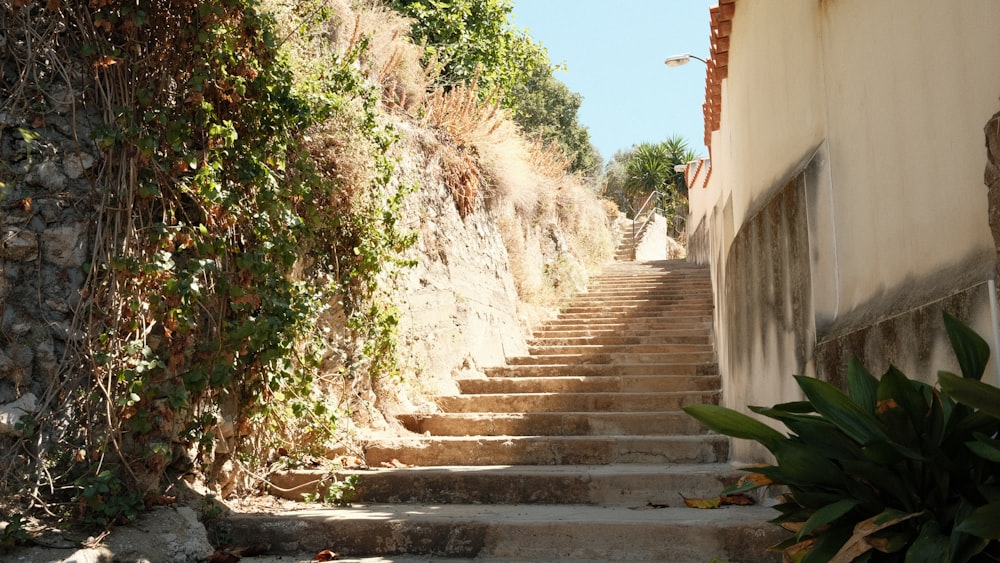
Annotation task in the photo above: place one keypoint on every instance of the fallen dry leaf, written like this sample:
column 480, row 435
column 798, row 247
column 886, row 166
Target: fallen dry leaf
column 739, row 499
column 351, row 462
column 223, row 557
column 326, row 555
column 755, row 478
column 714, row 502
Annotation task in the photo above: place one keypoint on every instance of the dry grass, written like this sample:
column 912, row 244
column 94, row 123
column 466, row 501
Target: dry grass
column 464, row 113
column 378, row 36
column 555, row 228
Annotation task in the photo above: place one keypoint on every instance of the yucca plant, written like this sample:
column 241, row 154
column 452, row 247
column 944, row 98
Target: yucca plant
column 892, row 470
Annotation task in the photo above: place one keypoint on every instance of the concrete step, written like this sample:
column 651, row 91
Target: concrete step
column 610, row 485
column 594, row 384
column 638, row 325
column 547, row 450
column 668, row 336
column 637, row 315
column 633, row 347
column 552, row 424
column 618, row 357
column 563, row 359
column 523, row 533
column 550, row 370
column 577, row 402
column 628, row 305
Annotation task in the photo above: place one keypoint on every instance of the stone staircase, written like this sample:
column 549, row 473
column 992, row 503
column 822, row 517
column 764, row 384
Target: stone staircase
column 576, row 452
column 626, row 247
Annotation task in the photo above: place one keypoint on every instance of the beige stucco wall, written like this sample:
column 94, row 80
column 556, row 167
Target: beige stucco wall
column 874, row 113
column 910, row 85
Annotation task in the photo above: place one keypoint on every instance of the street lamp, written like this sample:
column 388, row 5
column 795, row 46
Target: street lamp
column 680, row 60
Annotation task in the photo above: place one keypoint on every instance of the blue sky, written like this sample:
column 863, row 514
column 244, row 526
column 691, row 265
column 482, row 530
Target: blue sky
column 614, row 51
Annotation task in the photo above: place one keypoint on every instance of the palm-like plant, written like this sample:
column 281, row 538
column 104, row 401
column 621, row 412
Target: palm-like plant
column 893, row 470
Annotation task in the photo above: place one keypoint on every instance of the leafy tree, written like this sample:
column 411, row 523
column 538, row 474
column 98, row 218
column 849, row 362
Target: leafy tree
column 474, row 38
column 633, row 174
column 545, row 106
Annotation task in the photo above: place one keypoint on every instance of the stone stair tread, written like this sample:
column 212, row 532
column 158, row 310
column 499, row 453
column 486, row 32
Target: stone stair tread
column 656, row 401
column 590, row 384
column 519, row 532
column 549, row 450
column 612, row 485
column 567, row 423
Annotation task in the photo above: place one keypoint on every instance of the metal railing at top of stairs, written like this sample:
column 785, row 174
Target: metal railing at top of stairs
column 649, row 217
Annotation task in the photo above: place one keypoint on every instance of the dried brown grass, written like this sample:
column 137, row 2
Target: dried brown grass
column 379, row 36
column 464, row 113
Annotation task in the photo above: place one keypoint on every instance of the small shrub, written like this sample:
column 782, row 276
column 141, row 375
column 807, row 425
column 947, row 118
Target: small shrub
column 892, row 470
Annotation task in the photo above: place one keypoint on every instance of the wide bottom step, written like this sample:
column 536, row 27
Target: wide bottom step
column 518, row 532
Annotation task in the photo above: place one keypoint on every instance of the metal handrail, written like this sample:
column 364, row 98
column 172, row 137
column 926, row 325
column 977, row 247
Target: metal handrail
column 642, row 208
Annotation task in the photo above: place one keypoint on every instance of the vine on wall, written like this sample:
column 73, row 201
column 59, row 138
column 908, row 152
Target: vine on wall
column 222, row 238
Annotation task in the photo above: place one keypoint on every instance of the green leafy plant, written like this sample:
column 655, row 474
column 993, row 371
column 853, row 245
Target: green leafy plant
column 105, row 498
column 891, row 470
column 334, row 492
column 13, row 534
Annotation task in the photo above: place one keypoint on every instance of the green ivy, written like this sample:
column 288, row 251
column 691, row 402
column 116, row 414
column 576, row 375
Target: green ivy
column 235, row 239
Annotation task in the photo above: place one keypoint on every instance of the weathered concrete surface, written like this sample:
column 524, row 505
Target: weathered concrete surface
column 162, row 535
column 519, row 532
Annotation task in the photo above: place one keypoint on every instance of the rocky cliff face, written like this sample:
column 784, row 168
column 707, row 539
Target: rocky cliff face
column 47, row 217
column 459, row 303
column 470, row 300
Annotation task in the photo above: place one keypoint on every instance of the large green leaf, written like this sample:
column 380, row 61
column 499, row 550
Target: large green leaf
column 827, row 514
column 735, row 424
column 805, row 465
column 885, row 480
column 970, row 392
column 828, row 544
column 985, row 447
column 861, row 385
column 930, row 546
column 900, row 407
column 821, row 434
column 839, row 409
column 984, row 522
column 971, row 350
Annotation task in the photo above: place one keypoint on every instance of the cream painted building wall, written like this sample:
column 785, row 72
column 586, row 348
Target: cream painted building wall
column 846, row 204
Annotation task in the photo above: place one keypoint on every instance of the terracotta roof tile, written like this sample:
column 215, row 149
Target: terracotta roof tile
column 717, row 69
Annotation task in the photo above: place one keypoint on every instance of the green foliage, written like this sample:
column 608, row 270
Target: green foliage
column 545, row 107
column 647, row 168
column 105, row 498
column 223, row 239
column 892, row 470
column 474, row 39
column 334, row 492
column 13, row 534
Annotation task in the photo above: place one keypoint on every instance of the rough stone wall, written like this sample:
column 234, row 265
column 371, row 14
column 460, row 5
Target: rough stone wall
column 47, row 214
column 458, row 305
